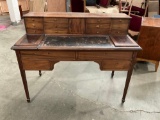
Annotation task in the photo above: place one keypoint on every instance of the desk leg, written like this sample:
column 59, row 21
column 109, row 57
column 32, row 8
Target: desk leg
column 129, row 74
column 112, row 74
column 40, row 73
column 23, row 75
column 126, row 85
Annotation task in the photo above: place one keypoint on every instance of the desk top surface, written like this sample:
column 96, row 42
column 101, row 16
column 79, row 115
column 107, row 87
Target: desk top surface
column 76, row 14
column 150, row 21
column 71, row 42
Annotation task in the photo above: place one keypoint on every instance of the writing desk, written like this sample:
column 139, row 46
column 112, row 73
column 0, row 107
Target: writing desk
column 76, row 40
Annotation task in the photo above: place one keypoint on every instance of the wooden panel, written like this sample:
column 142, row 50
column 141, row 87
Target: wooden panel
column 149, row 40
column 56, row 5
column 38, row 5
column 98, row 20
column 24, row 5
column 36, row 65
column 56, row 31
column 116, row 65
column 76, row 26
column 4, row 7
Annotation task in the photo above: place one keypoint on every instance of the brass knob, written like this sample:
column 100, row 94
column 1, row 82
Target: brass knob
column 97, row 26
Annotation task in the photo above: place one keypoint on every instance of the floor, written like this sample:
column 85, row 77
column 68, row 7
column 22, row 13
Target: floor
column 74, row 90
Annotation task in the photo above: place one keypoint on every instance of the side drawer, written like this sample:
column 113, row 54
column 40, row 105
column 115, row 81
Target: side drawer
column 97, row 31
column 120, row 26
column 98, row 26
column 36, row 65
column 116, row 65
column 98, row 20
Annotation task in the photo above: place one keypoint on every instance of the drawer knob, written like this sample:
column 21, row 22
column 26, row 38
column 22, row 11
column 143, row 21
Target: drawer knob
column 33, row 25
column 98, row 20
column 34, row 31
column 56, row 32
column 32, row 19
column 55, row 19
column 97, row 26
column 97, row 32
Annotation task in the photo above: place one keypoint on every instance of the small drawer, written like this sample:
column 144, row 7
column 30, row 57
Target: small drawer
column 34, row 31
column 53, row 25
column 56, row 31
column 120, row 21
column 120, row 26
column 116, row 65
column 36, row 65
column 33, row 20
column 56, row 20
column 34, row 25
column 107, row 26
column 91, row 55
column 118, row 32
column 98, row 31
column 97, row 20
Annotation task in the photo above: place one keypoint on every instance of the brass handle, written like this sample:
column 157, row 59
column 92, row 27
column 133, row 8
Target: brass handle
column 97, row 26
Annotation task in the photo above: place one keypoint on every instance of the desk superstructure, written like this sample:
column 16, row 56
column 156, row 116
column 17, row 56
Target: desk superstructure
column 54, row 37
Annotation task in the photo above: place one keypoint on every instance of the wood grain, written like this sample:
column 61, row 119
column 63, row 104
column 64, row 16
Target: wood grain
column 56, row 5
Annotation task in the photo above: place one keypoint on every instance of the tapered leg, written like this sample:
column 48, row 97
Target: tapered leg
column 23, row 75
column 127, row 84
column 112, row 74
column 40, row 73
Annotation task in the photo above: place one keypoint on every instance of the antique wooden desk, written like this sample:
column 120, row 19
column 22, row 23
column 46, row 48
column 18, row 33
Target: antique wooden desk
column 54, row 37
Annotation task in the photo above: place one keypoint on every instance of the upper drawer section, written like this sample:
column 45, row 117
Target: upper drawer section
column 120, row 21
column 57, row 20
column 97, row 20
column 33, row 20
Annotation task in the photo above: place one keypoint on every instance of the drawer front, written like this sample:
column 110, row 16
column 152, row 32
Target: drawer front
column 56, row 20
column 53, row 25
column 116, row 65
column 34, row 20
column 120, row 26
column 91, row 55
column 48, row 55
column 98, row 26
column 36, row 65
column 119, row 55
column 120, row 21
column 34, row 25
column 34, row 31
column 118, row 32
column 96, row 20
column 97, row 31
column 105, row 55
column 56, row 31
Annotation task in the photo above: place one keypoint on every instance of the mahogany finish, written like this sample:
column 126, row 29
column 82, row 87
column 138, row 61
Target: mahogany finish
column 54, row 37
column 149, row 40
